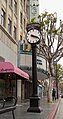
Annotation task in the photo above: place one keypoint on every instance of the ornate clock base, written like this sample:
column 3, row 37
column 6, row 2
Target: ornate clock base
column 34, row 105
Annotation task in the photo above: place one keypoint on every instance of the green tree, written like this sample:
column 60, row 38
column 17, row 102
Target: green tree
column 59, row 71
column 51, row 41
column 59, row 75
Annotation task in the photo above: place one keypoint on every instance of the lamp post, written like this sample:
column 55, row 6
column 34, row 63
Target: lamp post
column 33, row 37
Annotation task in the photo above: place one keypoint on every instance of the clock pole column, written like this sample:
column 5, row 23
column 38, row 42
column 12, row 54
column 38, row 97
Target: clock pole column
column 34, row 99
column 34, row 70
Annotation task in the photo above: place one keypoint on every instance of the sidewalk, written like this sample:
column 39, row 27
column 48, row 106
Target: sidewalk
column 21, row 111
column 59, row 114
column 54, row 109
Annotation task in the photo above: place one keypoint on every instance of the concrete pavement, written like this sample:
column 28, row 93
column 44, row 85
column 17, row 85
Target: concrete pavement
column 21, row 111
column 54, row 109
column 59, row 114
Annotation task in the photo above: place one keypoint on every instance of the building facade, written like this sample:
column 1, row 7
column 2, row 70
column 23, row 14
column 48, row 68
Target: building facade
column 13, row 20
column 14, row 49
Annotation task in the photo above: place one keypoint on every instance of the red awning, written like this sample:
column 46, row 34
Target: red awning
column 7, row 67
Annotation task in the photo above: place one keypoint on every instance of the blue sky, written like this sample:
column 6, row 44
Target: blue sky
column 52, row 6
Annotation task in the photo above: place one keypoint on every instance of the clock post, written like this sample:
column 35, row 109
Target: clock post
column 33, row 39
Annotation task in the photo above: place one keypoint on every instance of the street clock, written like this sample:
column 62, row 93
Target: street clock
column 33, row 36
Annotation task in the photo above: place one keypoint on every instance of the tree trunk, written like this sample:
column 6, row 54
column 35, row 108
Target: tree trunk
column 50, row 90
column 51, row 70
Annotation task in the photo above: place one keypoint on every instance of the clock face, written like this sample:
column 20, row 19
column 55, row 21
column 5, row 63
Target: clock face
column 34, row 10
column 33, row 36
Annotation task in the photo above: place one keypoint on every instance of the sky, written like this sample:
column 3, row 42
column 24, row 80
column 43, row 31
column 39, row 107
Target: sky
column 52, row 6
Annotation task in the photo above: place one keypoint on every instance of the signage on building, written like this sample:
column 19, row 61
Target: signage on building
column 39, row 61
column 5, row 70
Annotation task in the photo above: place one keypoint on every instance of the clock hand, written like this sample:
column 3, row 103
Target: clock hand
column 34, row 36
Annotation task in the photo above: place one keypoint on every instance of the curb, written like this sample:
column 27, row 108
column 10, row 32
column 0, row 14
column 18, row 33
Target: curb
column 53, row 110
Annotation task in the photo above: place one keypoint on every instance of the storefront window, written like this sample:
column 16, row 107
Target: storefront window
column 7, row 87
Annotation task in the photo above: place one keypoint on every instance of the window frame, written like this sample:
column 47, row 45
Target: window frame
column 21, row 17
column 11, row 2
column 14, row 33
column 3, row 14
column 9, row 25
column 15, row 6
